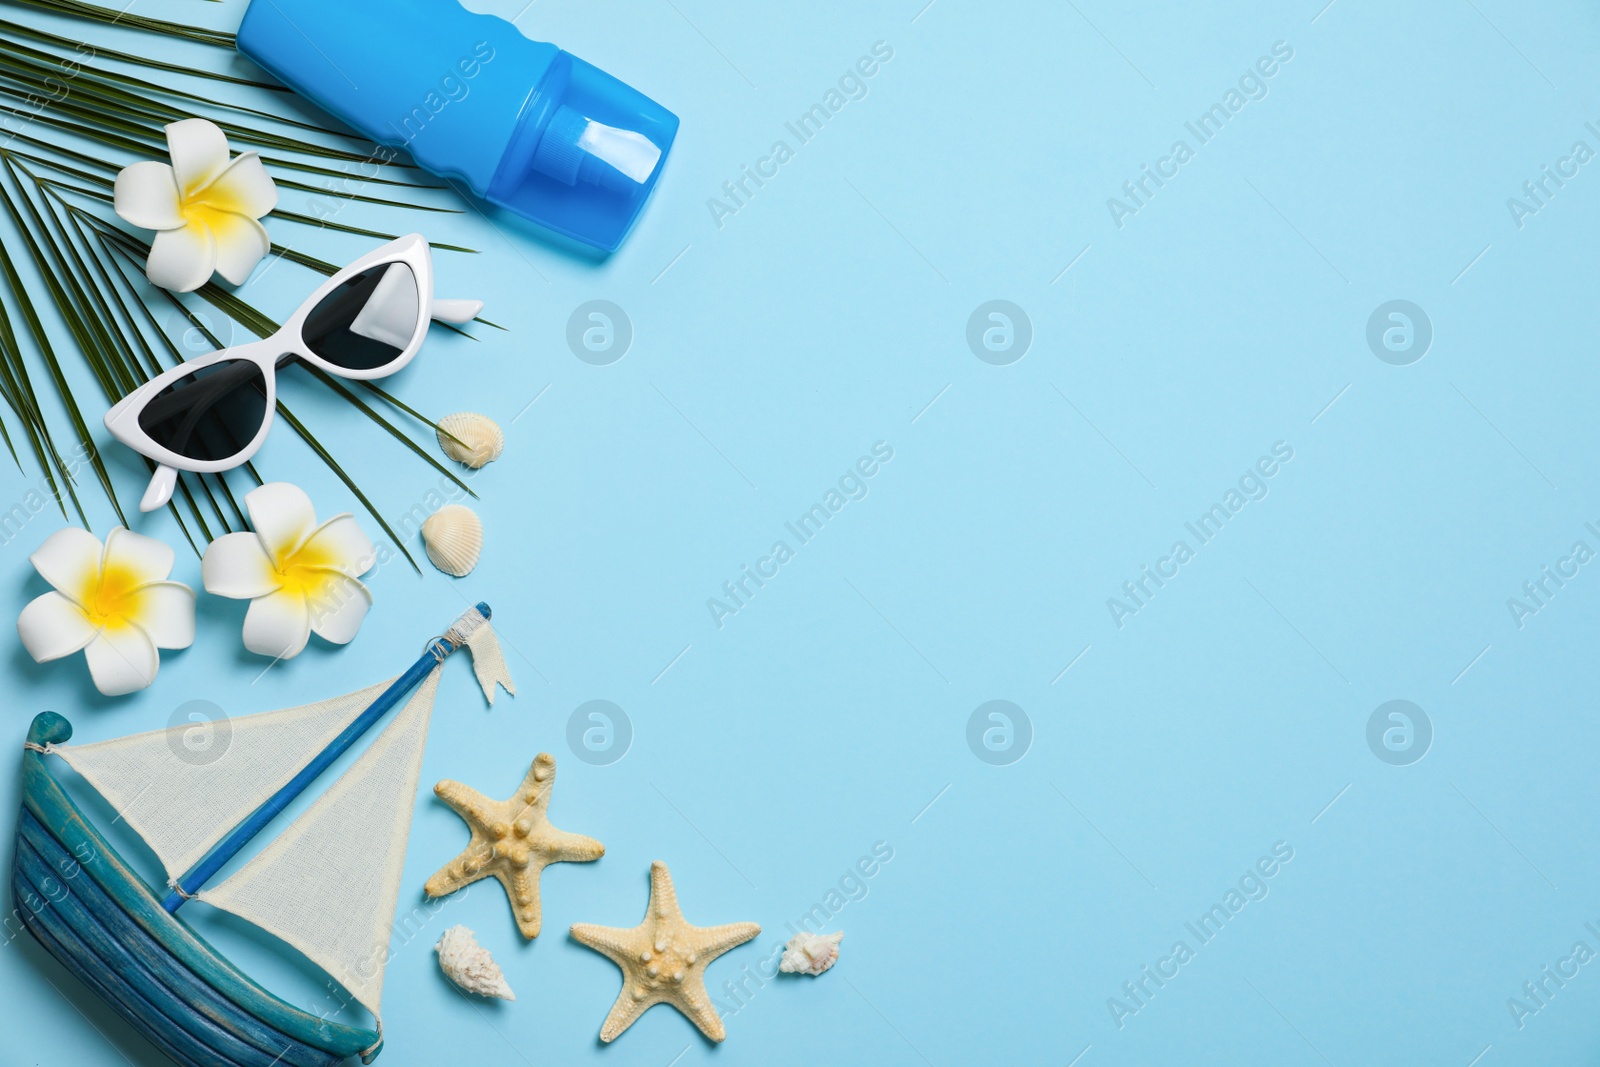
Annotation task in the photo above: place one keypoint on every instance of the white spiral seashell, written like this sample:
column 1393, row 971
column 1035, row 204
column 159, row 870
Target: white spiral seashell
column 471, row 438
column 469, row 965
column 806, row 953
column 453, row 536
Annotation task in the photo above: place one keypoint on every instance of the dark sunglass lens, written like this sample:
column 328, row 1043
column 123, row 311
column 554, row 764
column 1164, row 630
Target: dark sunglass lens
column 368, row 321
column 210, row 414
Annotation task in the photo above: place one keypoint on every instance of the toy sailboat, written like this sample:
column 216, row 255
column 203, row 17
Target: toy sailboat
column 328, row 885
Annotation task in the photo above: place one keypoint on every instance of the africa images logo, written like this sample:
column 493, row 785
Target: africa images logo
column 851, row 486
column 851, row 85
column 1252, row 486
column 1250, row 887
column 1138, row 191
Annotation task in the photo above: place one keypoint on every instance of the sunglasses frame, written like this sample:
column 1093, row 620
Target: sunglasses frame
column 123, row 418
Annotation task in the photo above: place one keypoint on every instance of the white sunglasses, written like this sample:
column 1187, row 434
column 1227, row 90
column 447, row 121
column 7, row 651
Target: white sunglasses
column 212, row 413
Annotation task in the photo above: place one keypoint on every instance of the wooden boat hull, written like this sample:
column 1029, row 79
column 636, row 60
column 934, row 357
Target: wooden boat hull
column 105, row 924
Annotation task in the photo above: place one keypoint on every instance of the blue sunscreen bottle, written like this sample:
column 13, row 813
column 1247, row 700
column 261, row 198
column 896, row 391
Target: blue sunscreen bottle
column 523, row 124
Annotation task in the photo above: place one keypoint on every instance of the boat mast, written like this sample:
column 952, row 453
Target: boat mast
column 228, row 847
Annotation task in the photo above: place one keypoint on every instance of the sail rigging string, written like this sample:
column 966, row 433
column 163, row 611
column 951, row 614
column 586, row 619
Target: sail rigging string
column 172, row 884
column 32, row 746
column 368, row 1052
column 462, row 629
column 472, row 631
column 458, row 636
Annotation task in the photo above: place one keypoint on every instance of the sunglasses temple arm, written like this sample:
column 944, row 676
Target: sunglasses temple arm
column 162, row 484
column 456, row 312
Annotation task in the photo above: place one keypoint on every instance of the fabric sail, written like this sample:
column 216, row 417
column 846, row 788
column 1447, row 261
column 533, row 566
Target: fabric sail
column 328, row 885
column 182, row 789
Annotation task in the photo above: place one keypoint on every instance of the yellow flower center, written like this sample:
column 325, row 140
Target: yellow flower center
column 306, row 570
column 208, row 214
column 112, row 598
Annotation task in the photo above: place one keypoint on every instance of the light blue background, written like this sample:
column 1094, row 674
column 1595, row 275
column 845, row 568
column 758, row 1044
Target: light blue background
column 830, row 713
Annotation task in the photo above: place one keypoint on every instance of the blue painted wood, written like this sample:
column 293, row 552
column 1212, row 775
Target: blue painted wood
column 148, row 970
column 148, row 955
column 116, row 986
column 242, row 834
column 93, row 981
column 54, row 815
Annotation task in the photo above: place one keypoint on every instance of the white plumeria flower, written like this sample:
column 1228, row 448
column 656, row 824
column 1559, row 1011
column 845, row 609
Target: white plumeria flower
column 204, row 208
column 113, row 603
column 300, row 578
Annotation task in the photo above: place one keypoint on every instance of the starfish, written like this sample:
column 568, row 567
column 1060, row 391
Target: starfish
column 511, row 840
column 663, row 959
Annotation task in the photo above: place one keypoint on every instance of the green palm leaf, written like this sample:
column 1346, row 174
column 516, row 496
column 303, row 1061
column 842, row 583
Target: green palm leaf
column 69, row 121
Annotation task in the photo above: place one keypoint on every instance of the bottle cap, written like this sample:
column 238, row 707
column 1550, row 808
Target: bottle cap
column 587, row 154
column 521, row 123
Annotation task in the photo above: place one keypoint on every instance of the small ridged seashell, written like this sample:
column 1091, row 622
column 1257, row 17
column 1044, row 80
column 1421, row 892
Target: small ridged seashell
column 807, row 953
column 453, row 536
column 469, row 965
column 471, row 439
